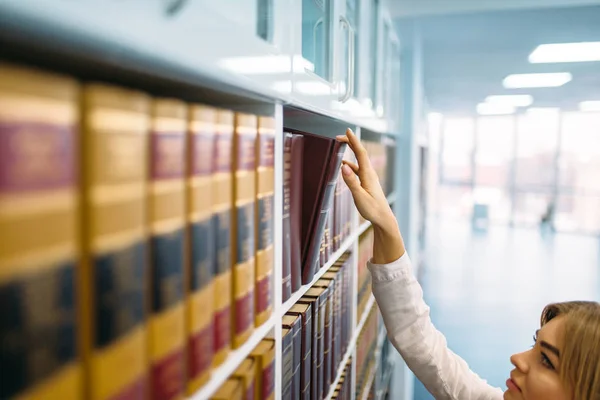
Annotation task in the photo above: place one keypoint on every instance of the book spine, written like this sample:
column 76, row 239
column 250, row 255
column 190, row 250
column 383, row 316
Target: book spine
column 201, row 246
column 115, row 266
column 39, row 214
column 320, row 355
column 265, row 189
column 222, row 196
column 314, row 344
column 338, row 323
column 327, row 299
column 167, row 224
column 287, row 379
column 297, row 343
column 346, row 298
column 244, row 202
column 296, row 211
column 266, row 373
column 286, row 272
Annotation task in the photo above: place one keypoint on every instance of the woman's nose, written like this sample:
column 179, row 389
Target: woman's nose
column 519, row 360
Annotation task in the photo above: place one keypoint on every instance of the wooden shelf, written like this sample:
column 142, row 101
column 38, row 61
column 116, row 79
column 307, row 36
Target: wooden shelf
column 351, row 345
column 236, row 357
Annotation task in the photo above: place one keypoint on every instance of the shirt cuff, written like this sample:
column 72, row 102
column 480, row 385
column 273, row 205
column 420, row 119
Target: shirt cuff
column 391, row 271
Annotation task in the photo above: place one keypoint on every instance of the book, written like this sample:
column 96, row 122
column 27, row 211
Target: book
column 332, row 280
column 232, row 389
column 296, row 211
column 222, row 198
column 287, row 376
column 242, row 234
column 115, row 267
column 318, row 184
column 246, row 372
column 265, row 189
column 167, row 219
column 294, row 323
column 39, row 219
column 286, row 263
column 264, row 357
column 305, row 312
column 328, row 343
column 318, row 298
column 199, row 309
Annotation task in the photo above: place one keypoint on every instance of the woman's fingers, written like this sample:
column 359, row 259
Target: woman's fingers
column 352, row 181
column 359, row 151
column 352, row 166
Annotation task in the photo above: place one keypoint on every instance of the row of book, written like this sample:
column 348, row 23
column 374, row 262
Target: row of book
column 366, row 354
column 365, row 252
column 316, row 332
column 254, row 378
column 137, row 243
column 317, row 206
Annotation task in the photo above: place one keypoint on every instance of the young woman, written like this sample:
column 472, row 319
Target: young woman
column 563, row 364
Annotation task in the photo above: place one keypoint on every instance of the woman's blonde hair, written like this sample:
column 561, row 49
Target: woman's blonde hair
column 580, row 358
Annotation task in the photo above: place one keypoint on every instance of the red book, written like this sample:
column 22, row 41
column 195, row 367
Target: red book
column 286, row 264
column 296, row 211
column 318, row 183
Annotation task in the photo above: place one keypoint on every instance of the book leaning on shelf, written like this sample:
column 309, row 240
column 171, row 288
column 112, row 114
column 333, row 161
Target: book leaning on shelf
column 39, row 218
column 321, row 161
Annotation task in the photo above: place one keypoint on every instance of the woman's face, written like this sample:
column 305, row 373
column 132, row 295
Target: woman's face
column 536, row 373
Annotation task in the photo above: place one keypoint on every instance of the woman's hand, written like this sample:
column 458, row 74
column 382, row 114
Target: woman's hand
column 371, row 202
column 364, row 184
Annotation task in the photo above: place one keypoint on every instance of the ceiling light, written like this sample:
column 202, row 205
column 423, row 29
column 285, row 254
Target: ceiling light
column 555, row 79
column 494, row 109
column 593, row 105
column 566, row 52
column 517, row 100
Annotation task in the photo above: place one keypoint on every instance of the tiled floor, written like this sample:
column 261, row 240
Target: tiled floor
column 486, row 290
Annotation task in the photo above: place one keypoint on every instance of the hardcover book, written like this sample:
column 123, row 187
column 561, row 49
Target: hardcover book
column 167, row 220
column 286, row 263
column 264, row 357
column 115, row 270
column 201, row 254
column 305, row 312
column 294, row 323
column 39, row 220
column 246, row 372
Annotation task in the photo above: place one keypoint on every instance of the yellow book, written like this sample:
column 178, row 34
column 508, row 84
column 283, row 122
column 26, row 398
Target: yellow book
column 242, row 234
column 246, row 372
column 222, row 195
column 265, row 188
column 39, row 216
column 166, row 217
column 232, row 389
column 115, row 269
column 264, row 357
column 201, row 257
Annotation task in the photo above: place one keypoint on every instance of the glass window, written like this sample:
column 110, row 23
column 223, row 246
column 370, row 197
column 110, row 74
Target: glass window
column 495, row 145
column 577, row 214
column 352, row 17
column 373, row 49
column 316, row 18
column 580, row 153
column 454, row 201
column 457, row 151
column 537, row 141
column 529, row 208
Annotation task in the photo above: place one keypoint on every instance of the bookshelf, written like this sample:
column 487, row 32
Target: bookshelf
column 97, row 55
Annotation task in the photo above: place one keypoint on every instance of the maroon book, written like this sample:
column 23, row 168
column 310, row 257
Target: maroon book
column 305, row 311
column 294, row 323
column 318, row 184
column 296, row 211
column 286, row 263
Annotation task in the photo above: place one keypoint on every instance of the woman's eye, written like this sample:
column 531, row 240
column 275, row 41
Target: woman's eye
column 546, row 362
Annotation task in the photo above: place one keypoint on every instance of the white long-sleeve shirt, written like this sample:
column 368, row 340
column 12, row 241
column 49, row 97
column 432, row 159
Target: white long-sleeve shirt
column 423, row 347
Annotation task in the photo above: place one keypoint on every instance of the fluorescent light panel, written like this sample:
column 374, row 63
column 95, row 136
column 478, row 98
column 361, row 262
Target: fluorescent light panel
column 555, row 79
column 494, row 109
column 566, row 52
column 591, row 105
column 516, row 100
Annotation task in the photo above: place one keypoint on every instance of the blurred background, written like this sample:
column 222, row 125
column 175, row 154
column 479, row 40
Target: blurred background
column 511, row 159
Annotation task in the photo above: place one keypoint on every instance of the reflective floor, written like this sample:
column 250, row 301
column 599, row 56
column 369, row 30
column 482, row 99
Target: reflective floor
column 486, row 290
